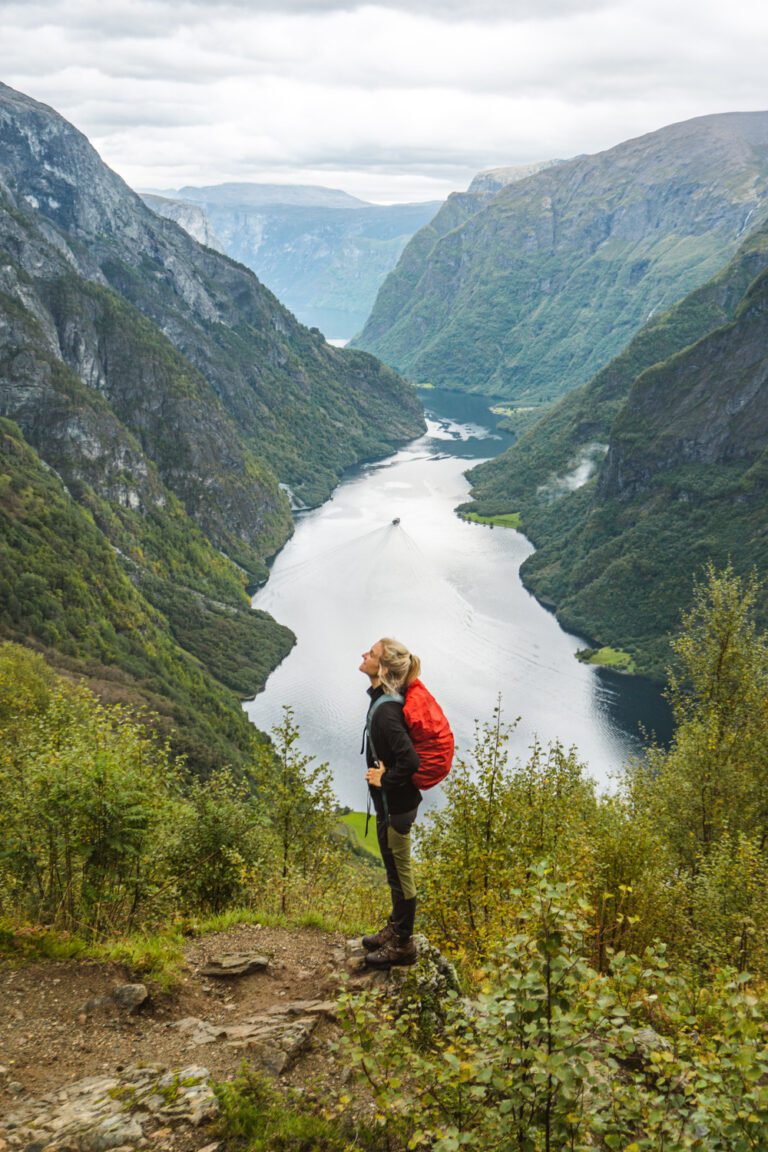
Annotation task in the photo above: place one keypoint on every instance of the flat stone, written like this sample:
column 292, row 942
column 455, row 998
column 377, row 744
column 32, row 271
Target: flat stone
column 200, row 1031
column 231, row 964
column 306, row 1008
column 114, row 1132
column 277, row 1046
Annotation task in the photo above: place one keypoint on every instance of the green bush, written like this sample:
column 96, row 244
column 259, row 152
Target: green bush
column 103, row 830
column 554, row 1055
column 475, row 851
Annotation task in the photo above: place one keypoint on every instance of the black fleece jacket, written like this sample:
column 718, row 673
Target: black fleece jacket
column 395, row 750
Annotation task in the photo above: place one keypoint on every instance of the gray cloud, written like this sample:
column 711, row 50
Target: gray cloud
column 388, row 103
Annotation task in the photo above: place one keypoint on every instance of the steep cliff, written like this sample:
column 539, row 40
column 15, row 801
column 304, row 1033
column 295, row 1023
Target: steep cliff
column 630, row 485
column 276, row 390
column 532, row 294
column 323, row 254
column 172, row 395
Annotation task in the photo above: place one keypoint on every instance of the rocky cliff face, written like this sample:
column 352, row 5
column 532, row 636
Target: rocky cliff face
column 707, row 408
column 206, row 374
column 489, row 183
column 171, row 397
column 534, row 293
column 190, row 217
column 322, row 253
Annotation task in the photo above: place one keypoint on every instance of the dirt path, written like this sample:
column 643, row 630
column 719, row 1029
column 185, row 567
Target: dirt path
column 49, row 1038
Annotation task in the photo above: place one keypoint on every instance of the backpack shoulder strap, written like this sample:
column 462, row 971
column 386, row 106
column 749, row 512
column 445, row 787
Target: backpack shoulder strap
column 387, row 697
column 394, row 697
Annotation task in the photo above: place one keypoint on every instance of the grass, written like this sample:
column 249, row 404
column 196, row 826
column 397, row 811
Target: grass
column 155, row 956
column 255, row 1115
column 503, row 520
column 608, row 658
column 355, row 822
column 158, row 957
column 510, row 410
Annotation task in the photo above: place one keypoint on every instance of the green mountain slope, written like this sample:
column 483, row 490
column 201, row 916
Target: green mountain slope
column 245, row 358
column 65, row 590
column 538, row 290
column 682, row 414
column 169, row 396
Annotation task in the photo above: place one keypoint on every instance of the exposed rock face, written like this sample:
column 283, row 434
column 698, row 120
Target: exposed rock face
column 490, row 182
column 275, row 1038
column 103, row 1112
column 215, row 383
column 708, row 407
column 324, row 254
column 536, row 290
column 190, row 217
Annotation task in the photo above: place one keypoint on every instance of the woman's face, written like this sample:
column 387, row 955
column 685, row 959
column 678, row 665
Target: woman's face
column 372, row 661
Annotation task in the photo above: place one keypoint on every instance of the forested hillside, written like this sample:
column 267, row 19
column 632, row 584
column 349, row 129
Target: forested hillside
column 169, row 396
column 632, row 483
column 539, row 288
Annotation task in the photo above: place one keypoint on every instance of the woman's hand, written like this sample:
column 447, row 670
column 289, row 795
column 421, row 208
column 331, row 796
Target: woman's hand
column 374, row 775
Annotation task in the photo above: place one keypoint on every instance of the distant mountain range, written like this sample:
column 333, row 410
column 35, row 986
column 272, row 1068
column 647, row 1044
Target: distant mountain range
column 528, row 292
column 322, row 252
column 154, row 397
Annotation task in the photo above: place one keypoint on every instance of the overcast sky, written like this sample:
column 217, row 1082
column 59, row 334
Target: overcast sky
column 392, row 101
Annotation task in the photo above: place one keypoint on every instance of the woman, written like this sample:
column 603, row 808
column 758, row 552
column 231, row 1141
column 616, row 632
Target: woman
column 392, row 761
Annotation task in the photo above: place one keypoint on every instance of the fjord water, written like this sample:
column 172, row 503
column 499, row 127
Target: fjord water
column 448, row 589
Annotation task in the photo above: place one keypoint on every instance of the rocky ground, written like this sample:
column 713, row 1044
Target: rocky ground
column 91, row 1061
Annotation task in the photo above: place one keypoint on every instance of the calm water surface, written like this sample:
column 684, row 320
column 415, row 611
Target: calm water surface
column 451, row 592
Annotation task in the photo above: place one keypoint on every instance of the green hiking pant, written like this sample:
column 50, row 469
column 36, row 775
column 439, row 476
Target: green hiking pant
column 394, row 837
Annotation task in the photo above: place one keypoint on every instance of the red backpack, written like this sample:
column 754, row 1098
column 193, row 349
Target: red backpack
column 429, row 730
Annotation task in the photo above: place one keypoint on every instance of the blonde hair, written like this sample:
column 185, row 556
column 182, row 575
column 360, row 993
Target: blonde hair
column 397, row 667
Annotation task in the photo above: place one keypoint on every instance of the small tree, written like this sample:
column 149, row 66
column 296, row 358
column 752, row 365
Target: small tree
column 299, row 799
column 554, row 1056
column 498, row 819
column 715, row 775
column 221, row 844
column 87, row 794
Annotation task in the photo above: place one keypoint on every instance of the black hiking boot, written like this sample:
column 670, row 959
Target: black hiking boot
column 393, row 952
column 371, row 943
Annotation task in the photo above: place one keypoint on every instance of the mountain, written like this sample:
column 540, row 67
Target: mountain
column 168, row 395
column 249, row 195
column 323, row 253
column 190, row 217
column 631, row 484
column 528, row 294
column 94, row 608
column 491, row 181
